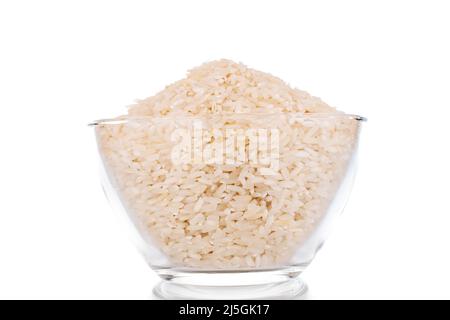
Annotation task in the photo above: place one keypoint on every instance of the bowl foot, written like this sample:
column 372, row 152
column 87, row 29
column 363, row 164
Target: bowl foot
column 234, row 286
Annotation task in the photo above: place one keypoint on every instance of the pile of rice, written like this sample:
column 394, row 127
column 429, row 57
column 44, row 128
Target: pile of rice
column 214, row 216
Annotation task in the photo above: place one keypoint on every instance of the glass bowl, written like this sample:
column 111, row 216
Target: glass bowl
column 229, row 205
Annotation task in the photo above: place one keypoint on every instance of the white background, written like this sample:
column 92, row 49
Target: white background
column 65, row 63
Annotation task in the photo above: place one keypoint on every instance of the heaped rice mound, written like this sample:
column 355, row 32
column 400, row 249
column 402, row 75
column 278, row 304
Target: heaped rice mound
column 225, row 86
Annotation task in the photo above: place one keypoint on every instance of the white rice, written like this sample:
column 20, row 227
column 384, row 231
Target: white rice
column 229, row 216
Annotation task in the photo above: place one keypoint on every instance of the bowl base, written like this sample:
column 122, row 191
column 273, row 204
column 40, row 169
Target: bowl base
column 276, row 284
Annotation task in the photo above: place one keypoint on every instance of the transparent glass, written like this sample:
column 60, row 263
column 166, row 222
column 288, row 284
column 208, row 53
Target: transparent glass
column 229, row 205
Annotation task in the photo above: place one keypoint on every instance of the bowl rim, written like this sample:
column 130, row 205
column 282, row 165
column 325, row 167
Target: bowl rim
column 171, row 117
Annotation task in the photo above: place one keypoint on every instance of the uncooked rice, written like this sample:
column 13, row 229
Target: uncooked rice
column 243, row 216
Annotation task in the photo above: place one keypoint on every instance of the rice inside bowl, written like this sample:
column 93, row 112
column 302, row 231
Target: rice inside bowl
column 241, row 215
